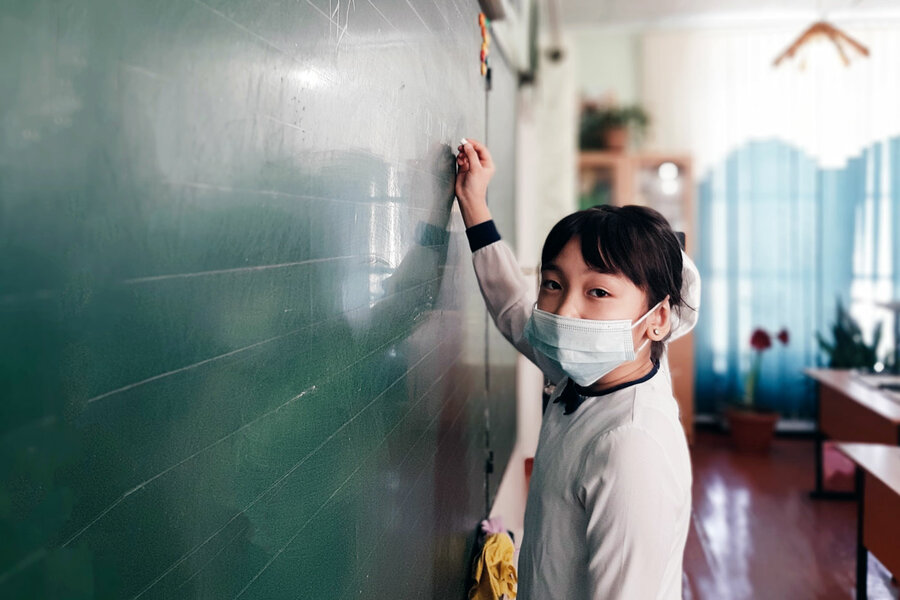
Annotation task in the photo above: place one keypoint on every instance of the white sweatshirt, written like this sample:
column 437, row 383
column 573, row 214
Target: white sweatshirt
column 609, row 505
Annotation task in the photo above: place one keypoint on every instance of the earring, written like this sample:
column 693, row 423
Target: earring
column 655, row 331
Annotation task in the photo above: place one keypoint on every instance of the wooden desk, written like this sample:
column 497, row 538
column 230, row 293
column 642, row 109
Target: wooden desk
column 878, row 521
column 850, row 411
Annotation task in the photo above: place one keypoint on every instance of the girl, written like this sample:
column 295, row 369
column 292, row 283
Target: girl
column 610, row 498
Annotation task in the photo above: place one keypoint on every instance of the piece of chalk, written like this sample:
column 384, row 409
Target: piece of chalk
column 464, row 141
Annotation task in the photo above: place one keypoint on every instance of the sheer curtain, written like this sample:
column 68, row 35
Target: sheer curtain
column 799, row 176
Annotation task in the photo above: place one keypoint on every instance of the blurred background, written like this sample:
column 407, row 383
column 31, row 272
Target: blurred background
column 242, row 350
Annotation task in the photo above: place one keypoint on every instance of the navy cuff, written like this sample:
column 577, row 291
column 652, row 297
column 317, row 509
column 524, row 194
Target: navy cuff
column 481, row 235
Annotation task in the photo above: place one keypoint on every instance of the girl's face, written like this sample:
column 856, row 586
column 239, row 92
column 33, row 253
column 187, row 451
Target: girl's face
column 572, row 288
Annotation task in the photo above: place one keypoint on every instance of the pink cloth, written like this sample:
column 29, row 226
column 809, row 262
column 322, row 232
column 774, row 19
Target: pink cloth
column 495, row 525
column 837, row 470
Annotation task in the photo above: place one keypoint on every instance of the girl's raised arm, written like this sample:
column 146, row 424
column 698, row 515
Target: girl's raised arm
column 508, row 294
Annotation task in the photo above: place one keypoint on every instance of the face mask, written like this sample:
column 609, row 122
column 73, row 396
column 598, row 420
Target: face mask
column 584, row 349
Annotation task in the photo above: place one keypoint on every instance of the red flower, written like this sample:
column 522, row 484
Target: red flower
column 760, row 340
column 784, row 337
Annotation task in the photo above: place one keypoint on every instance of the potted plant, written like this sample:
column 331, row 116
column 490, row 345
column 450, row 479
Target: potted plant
column 752, row 426
column 849, row 350
column 608, row 127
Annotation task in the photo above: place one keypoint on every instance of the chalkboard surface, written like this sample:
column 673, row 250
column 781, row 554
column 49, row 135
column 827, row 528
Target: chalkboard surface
column 237, row 352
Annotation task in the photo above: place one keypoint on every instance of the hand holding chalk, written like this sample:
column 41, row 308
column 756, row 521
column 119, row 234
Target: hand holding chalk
column 475, row 168
column 473, row 155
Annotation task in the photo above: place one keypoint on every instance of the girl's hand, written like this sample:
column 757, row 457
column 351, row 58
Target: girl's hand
column 474, row 171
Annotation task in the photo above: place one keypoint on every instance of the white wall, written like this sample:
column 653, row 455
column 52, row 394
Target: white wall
column 546, row 156
column 607, row 60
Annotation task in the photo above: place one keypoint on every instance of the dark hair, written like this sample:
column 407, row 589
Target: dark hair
column 634, row 241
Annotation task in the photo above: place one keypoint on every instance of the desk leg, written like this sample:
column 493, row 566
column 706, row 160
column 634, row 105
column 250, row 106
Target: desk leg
column 819, row 492
column 862, row 555
column 818, row 448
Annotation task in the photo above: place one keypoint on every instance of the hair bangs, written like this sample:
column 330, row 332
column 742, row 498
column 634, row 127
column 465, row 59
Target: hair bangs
column 604, row 246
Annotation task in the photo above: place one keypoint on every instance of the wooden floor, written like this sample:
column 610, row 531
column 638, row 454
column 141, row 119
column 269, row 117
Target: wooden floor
column 755, row 533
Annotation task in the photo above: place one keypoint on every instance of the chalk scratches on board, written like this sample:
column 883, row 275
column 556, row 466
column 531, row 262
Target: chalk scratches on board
column 144, row 71
column 275, row 486
column 337, row 30
column 158, row 475
column 383, row 16
column 243, row 28
column 344, row 483
column 226, row 545
column 430, row 31
column 23, row 564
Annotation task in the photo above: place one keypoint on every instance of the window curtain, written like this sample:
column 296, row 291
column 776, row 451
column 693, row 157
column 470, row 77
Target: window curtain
column 798, row 197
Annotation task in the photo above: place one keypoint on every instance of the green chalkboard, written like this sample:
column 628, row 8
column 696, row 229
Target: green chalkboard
column 242, row 352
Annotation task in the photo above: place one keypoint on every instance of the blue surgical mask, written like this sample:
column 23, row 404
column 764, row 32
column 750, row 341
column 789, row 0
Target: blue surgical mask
column 583, row 349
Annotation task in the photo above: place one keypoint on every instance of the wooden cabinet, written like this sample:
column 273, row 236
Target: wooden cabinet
column 664, row 182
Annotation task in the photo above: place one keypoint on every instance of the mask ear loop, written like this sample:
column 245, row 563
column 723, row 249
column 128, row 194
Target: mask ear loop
column 649, row 312
column 655, row 331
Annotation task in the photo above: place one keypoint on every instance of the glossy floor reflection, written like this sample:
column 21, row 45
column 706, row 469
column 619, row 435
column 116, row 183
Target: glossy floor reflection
column 755, row 533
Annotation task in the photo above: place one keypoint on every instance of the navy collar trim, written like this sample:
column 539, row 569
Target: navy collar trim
column 572, row 398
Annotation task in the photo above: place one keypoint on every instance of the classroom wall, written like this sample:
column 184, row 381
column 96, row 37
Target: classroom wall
column 236, row 352
column 501, row 127
column 608, row 61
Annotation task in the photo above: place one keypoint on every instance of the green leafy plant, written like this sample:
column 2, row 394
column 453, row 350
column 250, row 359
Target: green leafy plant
column 849, row 350
column 596, row 121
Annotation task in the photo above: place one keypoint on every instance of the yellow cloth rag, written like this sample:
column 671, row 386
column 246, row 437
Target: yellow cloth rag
column 495, row 574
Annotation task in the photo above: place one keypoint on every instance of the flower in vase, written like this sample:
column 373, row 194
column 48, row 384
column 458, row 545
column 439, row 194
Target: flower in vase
column 760, row 341
column 784, row 337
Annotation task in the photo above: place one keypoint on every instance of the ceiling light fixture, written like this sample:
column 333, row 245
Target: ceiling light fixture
column 846, row 45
